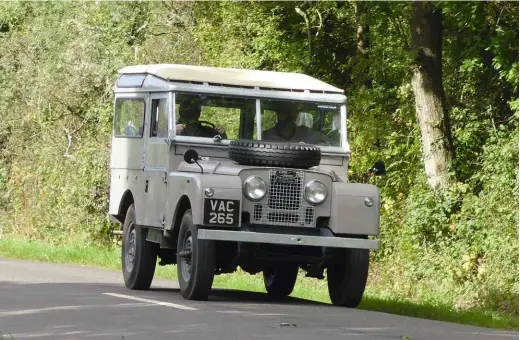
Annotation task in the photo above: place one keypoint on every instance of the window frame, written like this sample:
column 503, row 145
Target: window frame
column 166, row 107
column 343, row 120
column 137, row 98
column 343, row 149
column 203, row 140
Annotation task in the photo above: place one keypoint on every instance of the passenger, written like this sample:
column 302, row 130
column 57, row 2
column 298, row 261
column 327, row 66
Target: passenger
column 286, row 129
column 189, row 124
column 131, row 130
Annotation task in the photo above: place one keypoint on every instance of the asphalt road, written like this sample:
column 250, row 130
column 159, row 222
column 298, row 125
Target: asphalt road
column 48, row 301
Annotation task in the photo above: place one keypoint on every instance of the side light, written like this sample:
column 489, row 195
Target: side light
column 209, row 192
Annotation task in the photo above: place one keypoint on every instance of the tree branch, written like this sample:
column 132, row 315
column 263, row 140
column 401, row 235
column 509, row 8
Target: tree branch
column 69, row 138
column 321, row 23
column 304, row 15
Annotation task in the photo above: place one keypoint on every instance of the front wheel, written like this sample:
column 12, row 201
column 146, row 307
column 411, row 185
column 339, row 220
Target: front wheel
column 195, row 261
column 138, row 256
column 347, row 278
column 279, row 279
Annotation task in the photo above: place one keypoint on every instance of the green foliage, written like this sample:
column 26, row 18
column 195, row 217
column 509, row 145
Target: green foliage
column 59, row 60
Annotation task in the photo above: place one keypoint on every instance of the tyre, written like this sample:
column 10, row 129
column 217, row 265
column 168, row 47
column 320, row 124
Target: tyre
column 195, row 261
column 138, row 256
column 279, row 280
column 287, row 155
column 347, row 279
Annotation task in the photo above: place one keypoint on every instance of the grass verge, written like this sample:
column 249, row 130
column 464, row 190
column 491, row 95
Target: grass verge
column 375, row 298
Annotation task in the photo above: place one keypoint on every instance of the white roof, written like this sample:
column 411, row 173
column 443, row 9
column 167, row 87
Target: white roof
column 230, row 76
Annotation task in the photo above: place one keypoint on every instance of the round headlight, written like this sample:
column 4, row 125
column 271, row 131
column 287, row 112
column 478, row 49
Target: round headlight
column 315, row 192
column 255, row 188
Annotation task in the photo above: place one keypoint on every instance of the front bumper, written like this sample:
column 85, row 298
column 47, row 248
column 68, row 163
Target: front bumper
column 295, row 240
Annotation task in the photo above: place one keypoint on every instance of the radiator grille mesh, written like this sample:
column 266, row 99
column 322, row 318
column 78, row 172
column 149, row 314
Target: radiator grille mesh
column 285, row 204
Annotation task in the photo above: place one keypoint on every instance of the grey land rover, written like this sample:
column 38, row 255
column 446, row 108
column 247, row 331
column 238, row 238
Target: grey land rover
column 215, row 168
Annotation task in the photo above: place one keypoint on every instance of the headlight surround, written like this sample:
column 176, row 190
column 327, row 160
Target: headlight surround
column 315, row 192
column 255, row 188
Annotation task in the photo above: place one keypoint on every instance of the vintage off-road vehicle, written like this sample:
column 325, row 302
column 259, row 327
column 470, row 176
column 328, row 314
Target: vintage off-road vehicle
column 214, row 168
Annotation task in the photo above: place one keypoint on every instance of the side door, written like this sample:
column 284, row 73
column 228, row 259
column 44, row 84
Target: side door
column 157, row 158
column 128, row 148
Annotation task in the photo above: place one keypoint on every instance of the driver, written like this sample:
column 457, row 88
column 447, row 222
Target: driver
column 286, row 129
column 188, row 123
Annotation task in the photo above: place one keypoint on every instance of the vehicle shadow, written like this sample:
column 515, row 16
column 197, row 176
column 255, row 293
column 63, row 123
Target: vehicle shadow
column 242, row 296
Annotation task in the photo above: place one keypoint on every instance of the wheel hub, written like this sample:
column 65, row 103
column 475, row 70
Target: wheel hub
column 130, row 250
column 186, row 254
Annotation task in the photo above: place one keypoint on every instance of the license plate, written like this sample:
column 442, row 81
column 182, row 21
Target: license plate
column 221, row 212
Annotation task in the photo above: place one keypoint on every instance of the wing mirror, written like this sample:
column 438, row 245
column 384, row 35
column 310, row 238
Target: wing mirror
column 192, row 156
column 378, row 169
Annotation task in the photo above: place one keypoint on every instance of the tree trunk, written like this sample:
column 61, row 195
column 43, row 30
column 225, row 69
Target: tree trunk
column 363, row 42
column 427, row 87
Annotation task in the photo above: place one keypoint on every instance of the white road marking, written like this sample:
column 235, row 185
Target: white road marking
column 40, row 334
column 156, row 302
column 31, row 335
column 57, row 308
column 65, row 326
column 231, row 312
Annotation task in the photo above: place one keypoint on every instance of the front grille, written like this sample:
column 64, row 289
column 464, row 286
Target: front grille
column 263, row 214
column 285, row 189
column 309, row 215
column 283, row 217
column 285, row 204
column 257, row 213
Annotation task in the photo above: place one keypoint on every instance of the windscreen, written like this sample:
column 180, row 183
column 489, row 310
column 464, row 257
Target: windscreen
column 210, row 115
column 312, row 123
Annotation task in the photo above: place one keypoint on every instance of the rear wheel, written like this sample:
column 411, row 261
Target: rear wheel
column 138, row 256
column 347, row 279
column 279, row 279
column 195, row 261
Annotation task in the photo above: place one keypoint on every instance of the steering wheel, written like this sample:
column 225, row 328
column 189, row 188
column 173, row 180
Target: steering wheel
column 202, row 123
column 190, row 128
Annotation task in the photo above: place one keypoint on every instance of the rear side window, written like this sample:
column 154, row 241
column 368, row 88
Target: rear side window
column 131, row 80
column 129, row 117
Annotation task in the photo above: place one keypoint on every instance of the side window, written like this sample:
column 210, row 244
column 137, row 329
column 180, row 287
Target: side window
column 159, row 118
column 129, row 117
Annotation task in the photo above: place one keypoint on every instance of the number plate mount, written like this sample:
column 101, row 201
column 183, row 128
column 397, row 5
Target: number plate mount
column 221, row 212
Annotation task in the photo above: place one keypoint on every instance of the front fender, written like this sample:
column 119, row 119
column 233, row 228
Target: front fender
column 349, row 213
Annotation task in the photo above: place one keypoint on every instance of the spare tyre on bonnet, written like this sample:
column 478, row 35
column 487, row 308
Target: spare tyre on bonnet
column 278, row 154
column 214, row 169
